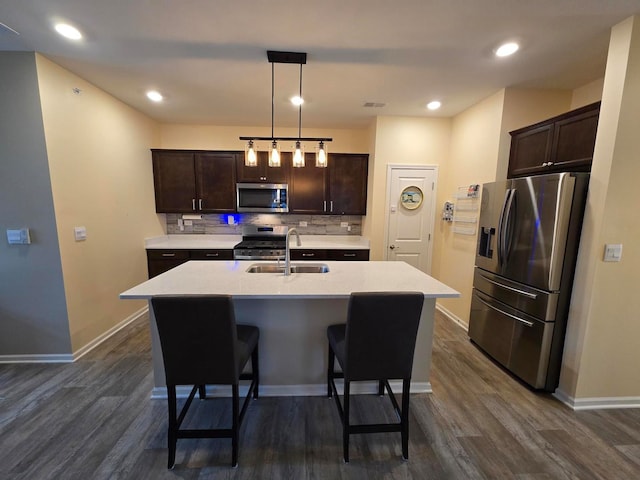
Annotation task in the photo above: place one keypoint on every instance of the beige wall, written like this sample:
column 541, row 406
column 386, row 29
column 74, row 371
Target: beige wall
column 474, row 146
column 587, row 94
column 405, row 141
column 601, row 353
column 101, row 179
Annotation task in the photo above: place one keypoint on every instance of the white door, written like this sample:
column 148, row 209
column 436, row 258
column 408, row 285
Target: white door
column 410, row 214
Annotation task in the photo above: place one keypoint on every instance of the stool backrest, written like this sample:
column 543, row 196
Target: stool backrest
column 198, row 337
column 381, row 334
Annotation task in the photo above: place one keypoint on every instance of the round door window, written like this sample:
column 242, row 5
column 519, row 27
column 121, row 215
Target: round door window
column 411, row 197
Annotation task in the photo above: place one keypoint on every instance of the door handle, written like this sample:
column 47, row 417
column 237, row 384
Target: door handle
column 193, row 203
column 392, row 247
column 199, row 204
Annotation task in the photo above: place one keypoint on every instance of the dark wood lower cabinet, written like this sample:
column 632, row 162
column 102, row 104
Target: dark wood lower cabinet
column 160, row 261
column 352, row 255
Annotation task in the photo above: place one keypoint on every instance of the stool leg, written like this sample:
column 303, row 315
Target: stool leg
column 234, row 428
column 172, row 434
column 255, row 368
column 202, row 391
column 405, row 418
column 381, row 387
column 345, row 423
column 330, row 367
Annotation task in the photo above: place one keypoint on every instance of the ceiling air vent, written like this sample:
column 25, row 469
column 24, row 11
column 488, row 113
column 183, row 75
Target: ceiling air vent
column 374, row 105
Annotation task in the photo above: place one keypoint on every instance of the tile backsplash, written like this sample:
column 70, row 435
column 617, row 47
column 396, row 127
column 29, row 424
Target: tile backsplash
column 219, row 224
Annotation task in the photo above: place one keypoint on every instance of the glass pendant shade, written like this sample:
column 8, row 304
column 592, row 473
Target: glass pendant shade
column 250, row 155
column 298, row 156
column 321, row 155
column 274, row 155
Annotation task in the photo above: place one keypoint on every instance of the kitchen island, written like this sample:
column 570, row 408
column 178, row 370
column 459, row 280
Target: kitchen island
column 293, row 312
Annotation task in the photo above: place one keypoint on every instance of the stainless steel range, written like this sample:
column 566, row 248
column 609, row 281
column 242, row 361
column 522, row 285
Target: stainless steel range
column 261, row 242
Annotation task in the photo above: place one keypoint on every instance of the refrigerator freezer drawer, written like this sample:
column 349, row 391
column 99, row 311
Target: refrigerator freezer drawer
column 532, row 301
column 519, row 342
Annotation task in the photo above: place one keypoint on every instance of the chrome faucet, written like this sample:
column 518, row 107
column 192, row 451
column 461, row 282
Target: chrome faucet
column 287, row 251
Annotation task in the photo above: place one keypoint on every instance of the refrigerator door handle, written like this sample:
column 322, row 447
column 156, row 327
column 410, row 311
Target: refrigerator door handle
column 565, row 193
column 521, row 320
column 507, row 227
column 506, row 287
column 501, row 222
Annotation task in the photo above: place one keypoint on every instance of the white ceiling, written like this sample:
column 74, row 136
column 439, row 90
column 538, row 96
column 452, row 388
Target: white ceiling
column 208, row 57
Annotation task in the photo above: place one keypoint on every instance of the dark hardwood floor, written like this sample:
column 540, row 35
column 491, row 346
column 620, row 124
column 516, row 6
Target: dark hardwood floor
column 94, row 420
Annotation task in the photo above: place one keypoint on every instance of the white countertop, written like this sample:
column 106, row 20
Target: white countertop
column 175, row 242
column 230, row 278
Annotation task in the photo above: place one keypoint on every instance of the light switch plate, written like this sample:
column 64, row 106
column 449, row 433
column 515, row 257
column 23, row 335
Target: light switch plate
column 612, row 252
column 19, row 237
column 80, row 233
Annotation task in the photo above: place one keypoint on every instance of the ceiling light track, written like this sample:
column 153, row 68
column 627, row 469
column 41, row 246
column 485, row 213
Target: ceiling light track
column 251, row 157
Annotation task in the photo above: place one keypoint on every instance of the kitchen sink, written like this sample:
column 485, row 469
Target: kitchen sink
column 295, row 268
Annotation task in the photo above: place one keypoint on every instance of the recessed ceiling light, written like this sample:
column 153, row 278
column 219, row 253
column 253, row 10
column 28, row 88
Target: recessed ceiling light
column 507, row 49
column 154, row 96
column 68, row 31
column 434, row 105
column 297, row 100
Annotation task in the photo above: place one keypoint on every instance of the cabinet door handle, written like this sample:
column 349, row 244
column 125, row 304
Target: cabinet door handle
column 168, row 254
column 331, row 203
column 308, row 254
column 348, row 254
column 199, row 204
column 212, row 255
column 324, row 208
column 193, row 203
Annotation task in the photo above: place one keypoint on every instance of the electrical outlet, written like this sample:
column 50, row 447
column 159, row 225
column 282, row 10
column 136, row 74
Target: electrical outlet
column 344, row 224
column 612, row 252
column 303, row 223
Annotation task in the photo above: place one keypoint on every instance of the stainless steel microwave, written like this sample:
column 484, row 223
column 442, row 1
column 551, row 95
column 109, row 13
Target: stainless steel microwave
column 262, row 197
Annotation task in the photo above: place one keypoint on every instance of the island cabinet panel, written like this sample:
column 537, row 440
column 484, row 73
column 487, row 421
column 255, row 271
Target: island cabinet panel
column 339, row 189
column 194, row 181
column 559, row 144
column 160, row 261
column 262, row 172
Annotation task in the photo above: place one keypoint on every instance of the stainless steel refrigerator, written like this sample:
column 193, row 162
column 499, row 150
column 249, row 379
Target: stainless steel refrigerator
column 529, row 230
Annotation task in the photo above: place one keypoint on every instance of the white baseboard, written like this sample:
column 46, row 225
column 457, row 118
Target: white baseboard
column 112, row 331
column 48, row 358
column 314, row 390
column 68, row 357
column 451, row 316
column 596, row 403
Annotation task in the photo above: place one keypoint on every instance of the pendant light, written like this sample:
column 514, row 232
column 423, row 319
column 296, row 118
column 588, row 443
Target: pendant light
column 250, row 155
column 321, row 155
column 251, row 159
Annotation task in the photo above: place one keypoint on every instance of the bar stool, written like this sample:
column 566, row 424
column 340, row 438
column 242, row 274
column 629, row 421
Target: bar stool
column 376, row 343
column 202, row 345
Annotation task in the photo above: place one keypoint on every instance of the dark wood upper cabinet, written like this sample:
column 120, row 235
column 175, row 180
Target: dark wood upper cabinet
column 562, row 143
column 194, row 181
column 216, row 181
column 347, row 183
column 307, row 188
column 262, row 173
column 174, row 179
column 339, row 189
column 205, row 181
